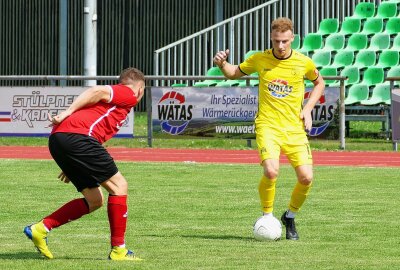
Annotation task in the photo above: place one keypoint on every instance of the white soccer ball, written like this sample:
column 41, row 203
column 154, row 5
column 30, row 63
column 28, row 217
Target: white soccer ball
column 267, row 228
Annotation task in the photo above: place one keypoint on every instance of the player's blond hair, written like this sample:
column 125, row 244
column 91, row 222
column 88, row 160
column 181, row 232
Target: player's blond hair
column 131, row 75
column 282, row 24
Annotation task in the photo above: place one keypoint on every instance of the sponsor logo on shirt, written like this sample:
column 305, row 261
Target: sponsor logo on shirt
column 279, row 88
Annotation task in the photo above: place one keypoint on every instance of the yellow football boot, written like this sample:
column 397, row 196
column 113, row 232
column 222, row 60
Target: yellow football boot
column 38, row 234
column 122, row 254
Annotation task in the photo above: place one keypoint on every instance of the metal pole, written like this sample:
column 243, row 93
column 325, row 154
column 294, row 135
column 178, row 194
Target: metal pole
column 90, row 40
column 394, row 142
column 342, row 116
column 63, row 45
column 149, row 118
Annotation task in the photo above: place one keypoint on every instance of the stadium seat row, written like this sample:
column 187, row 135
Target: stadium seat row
column 361, row 59
column 356, row 25
column 385, row 9
column 358, row 41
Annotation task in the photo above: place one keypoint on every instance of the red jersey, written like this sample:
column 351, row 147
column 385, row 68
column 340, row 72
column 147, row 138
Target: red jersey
column 103, row 119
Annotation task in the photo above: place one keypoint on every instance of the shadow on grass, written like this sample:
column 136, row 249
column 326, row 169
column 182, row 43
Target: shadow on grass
column 212, row 237
column 37, row 256
column 21, row 256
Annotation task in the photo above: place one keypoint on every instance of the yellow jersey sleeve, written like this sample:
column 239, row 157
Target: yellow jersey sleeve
column 249, row 66
column 311, row 70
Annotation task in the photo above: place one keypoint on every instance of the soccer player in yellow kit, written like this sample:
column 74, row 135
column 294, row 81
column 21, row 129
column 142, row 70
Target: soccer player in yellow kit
column 282, row 121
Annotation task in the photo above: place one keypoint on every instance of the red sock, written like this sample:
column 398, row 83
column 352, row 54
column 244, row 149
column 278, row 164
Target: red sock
column 66, row 213
column 117, row 216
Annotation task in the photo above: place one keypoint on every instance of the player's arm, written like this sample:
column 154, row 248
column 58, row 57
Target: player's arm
column 316, row 93
column 89, row 97
column 230, row 71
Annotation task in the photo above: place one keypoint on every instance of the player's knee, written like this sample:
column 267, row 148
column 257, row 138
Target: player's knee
column 120, row 188
column 271, row 173
column 116, row 185
column 95, row 204
column 306, row 179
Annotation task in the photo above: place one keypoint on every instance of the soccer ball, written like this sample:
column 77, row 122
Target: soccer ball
column 267, row 228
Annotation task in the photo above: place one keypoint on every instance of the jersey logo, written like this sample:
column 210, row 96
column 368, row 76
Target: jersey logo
column 123, row 123
column 279, row 88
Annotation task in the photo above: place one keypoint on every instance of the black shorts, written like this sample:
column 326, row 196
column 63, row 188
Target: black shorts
column 82, row 159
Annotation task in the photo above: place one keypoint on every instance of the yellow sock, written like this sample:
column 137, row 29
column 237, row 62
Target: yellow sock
column 266, row 190
column 299, row 195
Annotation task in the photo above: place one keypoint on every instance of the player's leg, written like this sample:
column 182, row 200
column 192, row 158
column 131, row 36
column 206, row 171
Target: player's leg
column 267, row 185
column 301, row 159
column 64, row 149
column 73, row 210
column 302, row 188
column 117, row 209
column 269, row 151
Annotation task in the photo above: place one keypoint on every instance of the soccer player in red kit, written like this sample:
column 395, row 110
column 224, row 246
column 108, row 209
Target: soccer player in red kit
column 75, row 144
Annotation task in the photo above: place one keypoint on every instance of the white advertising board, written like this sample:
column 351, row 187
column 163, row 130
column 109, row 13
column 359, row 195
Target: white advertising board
column 23, row 110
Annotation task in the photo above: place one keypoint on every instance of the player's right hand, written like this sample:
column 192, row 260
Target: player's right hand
column 57, row 119
column 220, row 57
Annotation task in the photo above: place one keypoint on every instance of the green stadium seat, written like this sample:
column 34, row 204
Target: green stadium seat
column 388, row 59
column 179, row 85
column 380, row 95
column 322, row 58
column 386, row 10
column 334, row 42
column 394, row 72
column 342, row 59
column 352, row 74
column 350, row 26
column 214, row 71
column 357, row 42
column 392, row 26
column 396, row 43
column 364, row 10
column 379, row 42
column 364, row 59
column 328, row 71
column 328, row 26
column 372, row 26
column 296, row 42
column 356, row 94
column 311, row 42
column 373, row 76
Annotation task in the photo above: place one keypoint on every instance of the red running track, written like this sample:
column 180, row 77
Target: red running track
column 340, row 158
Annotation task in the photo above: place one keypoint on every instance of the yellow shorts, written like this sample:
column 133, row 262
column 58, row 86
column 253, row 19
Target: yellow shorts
column 294, row 144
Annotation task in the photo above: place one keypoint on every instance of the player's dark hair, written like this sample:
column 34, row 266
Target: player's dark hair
column 282, row 24
column 131, row 75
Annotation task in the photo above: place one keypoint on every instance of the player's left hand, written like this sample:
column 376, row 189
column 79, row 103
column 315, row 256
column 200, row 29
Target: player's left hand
column 307, row 120
column 63, row 178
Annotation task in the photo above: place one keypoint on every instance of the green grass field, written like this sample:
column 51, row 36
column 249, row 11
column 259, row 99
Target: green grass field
column 200, row 216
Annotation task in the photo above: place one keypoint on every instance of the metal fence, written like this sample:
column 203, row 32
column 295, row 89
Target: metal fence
column 247, row 31
column 129, row 31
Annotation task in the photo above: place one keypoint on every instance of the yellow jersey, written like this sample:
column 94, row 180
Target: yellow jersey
column 281, row 88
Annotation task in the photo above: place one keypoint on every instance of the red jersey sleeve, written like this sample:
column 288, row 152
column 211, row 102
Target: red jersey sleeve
column 122, row 96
